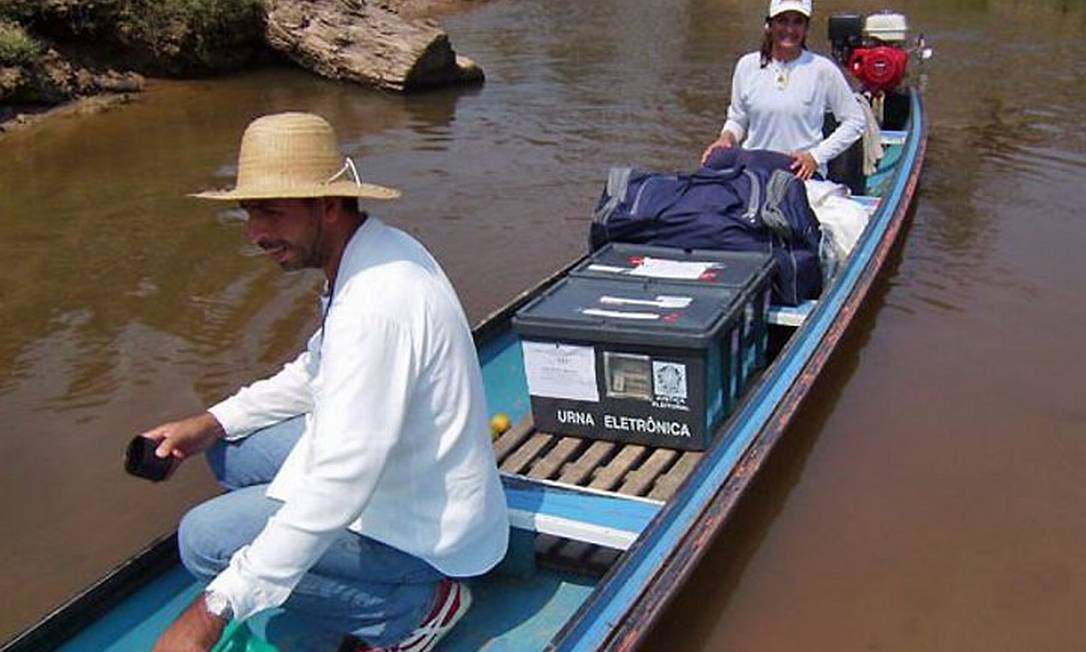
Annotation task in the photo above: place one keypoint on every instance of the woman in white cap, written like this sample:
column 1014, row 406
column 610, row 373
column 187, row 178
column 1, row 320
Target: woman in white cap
column 780, row 95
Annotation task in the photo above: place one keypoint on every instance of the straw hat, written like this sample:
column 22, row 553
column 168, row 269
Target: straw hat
column 295, row 156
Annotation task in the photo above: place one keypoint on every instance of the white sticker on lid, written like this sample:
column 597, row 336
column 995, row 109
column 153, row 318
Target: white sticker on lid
column 676, row 269
column 607, row 269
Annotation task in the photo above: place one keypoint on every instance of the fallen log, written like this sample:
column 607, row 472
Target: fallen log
column 366, row 42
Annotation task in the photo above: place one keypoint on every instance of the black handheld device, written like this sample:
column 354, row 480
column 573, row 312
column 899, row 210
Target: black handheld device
column 140, row 460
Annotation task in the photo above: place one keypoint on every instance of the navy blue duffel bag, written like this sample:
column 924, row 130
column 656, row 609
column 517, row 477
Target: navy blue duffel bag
column 751, row 203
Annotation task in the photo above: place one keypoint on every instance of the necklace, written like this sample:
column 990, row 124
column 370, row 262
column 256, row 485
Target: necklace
column 782, row 71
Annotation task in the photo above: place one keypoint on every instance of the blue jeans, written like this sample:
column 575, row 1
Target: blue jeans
column 359, row 586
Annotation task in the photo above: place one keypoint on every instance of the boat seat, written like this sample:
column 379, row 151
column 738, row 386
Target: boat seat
column 891, row 137
column 793, row 316
column 592, row 516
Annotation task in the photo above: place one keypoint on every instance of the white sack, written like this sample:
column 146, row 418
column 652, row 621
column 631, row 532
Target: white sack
column 842, row 220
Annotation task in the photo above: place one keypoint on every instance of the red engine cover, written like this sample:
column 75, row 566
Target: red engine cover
column 879, row 68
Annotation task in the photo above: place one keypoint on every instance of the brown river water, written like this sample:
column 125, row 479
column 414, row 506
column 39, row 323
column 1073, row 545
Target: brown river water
column 930, row 495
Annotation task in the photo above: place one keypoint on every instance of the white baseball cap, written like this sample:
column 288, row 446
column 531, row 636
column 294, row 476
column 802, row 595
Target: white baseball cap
column 781, row 6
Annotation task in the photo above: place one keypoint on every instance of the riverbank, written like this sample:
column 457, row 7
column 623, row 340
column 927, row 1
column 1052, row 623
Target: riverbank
column 72, row 56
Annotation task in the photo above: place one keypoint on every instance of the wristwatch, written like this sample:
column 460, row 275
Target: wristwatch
column 218, row 605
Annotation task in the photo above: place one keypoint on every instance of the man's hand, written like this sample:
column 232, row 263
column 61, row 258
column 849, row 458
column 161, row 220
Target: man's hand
column 804, row 164
column 726, row 141
column 187, row 437
column 195, row 630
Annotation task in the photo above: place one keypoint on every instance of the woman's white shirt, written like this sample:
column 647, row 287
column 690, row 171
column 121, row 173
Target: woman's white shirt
column 781, row 107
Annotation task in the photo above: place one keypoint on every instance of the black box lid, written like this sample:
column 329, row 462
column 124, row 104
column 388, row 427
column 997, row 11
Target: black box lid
column 622, row 311
column 731, row 269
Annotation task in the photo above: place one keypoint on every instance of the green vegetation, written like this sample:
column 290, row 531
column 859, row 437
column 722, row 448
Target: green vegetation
column 154, row 18
column 191, row 35
column 178, row 37
column 53, row 50
column 17, row 48
column 16, row 11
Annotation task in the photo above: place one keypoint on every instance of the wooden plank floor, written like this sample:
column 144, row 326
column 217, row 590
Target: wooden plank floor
column 629, row 469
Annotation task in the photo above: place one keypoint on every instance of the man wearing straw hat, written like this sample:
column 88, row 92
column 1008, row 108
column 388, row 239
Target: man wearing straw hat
column 360, row 478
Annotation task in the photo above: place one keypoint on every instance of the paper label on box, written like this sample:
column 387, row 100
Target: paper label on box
column 556, row 370
column 675, row 269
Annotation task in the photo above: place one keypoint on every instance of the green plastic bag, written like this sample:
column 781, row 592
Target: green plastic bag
column 237, row 638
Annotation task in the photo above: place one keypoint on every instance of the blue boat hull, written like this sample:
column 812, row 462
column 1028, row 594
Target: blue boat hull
column 529, row 607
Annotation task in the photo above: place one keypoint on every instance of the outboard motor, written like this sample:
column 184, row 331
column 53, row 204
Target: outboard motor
column 873, row 48
column 846, row 34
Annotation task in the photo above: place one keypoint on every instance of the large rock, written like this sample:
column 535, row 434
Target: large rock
column 366, row 42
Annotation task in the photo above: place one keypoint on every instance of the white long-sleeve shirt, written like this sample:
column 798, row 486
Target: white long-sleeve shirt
column 396, row 443
column 781, row 107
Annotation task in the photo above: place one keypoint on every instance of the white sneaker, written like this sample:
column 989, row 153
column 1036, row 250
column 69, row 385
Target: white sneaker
column 452, row 601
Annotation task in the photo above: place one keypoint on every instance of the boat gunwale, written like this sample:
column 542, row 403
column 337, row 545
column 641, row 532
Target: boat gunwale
column 595, row 625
